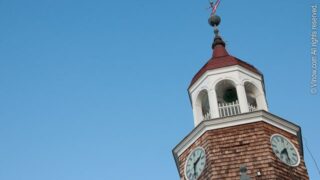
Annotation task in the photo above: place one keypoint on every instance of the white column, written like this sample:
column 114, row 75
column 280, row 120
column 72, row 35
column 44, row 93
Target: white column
column 195, row 114
column 213, row 101
column 242, row 97
column 261, row 100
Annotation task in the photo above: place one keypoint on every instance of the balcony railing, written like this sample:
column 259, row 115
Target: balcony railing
column 252, row 108
column 229, row 109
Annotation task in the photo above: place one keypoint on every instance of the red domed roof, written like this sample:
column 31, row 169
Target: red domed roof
column 220, row 59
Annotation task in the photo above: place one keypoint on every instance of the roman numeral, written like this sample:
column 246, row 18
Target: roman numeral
column 274, row 141
column 295, row 159
column 273, row 145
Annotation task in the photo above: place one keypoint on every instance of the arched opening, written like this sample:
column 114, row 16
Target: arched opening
column 227, row 98
column 252, row 94
column 203, row 106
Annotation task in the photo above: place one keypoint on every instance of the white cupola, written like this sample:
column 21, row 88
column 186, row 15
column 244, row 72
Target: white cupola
column 226, row 85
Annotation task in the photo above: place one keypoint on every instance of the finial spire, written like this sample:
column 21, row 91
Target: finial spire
column 214, row 20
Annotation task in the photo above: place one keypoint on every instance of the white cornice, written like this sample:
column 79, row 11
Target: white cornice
column 257, row 116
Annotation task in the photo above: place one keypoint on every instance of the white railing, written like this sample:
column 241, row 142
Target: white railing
column 252, row 108
column 229, row 109
column 207, row 116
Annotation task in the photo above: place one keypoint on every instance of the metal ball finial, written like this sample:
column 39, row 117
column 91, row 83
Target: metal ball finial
column 214, row 20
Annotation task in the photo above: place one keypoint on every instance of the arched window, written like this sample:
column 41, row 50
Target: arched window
column 226, row 92
column 252, row 94
column 227, row 98
column 203, row 106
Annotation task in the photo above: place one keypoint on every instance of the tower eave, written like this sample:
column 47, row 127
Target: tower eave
column 246, row 118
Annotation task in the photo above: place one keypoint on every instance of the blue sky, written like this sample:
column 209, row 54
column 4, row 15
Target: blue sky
column 96, row 90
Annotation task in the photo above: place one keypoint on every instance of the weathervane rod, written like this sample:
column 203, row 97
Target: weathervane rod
column 214, row 6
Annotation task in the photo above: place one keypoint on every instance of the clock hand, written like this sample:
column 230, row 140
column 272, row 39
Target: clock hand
column 286, row 147
column 197, row 161
column 285, row 151
column 195, row 170
column 195, row 166
column 288, row 157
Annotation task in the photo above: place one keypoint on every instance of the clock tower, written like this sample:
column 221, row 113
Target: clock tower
column 235, row 136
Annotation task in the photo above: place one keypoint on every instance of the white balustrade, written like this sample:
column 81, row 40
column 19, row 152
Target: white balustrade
column 229, row 109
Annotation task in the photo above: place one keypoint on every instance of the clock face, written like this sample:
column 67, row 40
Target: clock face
column 285, row 150
column 195, row 163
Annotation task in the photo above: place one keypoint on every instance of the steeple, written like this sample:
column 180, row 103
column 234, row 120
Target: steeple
column 225, row 82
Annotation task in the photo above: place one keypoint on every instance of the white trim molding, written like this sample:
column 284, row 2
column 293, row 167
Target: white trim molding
column 246, row 118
